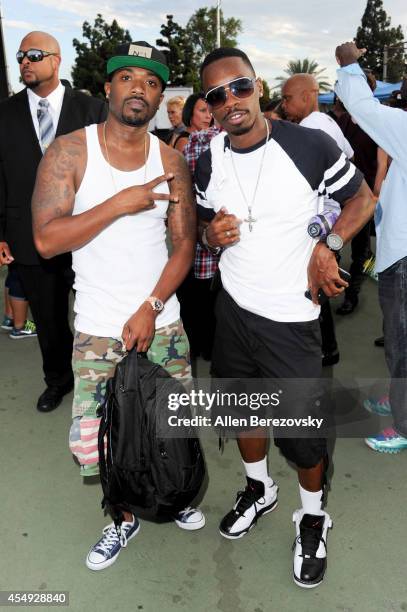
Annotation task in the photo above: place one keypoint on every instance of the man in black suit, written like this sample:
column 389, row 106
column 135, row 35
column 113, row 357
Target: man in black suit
column 29, row 121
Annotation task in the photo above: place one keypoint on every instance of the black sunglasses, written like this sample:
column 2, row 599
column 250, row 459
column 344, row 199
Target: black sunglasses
column 33, row 55
column 242, row 87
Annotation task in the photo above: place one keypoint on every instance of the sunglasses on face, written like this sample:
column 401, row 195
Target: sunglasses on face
column 242, row 87
column 33, row 55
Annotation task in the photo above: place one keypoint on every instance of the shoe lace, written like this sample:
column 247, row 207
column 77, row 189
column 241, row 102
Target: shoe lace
column 183, row 513
column 245, row 499
column 29, row 326
column 112, row 535
column 309, row 539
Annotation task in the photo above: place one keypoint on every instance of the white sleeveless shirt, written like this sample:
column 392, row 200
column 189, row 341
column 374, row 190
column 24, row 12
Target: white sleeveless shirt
column 118, row 269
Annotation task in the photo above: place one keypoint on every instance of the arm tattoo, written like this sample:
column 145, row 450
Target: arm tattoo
column 54, row 191
column 182, row 214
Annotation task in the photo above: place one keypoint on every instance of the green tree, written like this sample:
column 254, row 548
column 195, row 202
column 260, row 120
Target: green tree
column 101, row 38
column 306, row 66
column 265, row 99
column 178, row 49
column 201, row 28
column 374, row 34
column 187, row 47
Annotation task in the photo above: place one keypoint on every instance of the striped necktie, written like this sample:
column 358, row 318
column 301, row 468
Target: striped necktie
column 46, row 131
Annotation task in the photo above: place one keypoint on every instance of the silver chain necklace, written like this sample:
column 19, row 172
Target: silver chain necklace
column 250, row 219
column 110, row 165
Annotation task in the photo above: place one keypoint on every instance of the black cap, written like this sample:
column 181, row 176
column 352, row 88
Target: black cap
column 142, row 55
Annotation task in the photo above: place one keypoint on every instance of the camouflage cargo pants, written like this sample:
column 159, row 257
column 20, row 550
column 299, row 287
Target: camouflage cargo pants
column 94, row 361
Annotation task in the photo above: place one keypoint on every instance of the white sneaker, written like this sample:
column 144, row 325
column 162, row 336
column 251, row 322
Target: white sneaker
column 310, row 548
column 252, row 503
column 107, row 549
column 190, row 519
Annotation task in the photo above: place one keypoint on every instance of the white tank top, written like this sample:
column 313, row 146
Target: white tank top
column 119, row 268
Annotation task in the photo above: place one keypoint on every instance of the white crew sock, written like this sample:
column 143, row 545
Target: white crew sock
column 258, row 471
column 311, row 501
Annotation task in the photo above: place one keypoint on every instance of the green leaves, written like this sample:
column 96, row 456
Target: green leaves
column 374, row 33
column 101, row 38
column 187, row 47
column 306, row 66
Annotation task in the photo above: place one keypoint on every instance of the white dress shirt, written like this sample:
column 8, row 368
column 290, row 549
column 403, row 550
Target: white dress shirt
column 55, row 99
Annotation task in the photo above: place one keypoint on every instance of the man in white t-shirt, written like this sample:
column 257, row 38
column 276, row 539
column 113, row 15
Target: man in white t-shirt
column 257, row 186
column 300, row 104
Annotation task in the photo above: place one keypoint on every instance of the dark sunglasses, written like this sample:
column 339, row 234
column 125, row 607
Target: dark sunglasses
column 33, row 55
column 242, row 87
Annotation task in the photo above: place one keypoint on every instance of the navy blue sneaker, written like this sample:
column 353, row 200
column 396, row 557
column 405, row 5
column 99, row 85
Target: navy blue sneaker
column 28, row 331
column 7, row 323
column 107, row 549
column 190, row 519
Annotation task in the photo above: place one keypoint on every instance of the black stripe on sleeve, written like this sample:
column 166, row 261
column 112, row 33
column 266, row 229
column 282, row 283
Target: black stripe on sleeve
column 206, row 214
column 314, row 153
column 349, row 190
column 330, row 182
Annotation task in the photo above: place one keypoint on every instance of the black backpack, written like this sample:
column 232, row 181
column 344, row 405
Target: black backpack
column 142, row 470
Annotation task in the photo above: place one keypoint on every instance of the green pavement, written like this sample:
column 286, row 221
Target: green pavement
column 49, row 517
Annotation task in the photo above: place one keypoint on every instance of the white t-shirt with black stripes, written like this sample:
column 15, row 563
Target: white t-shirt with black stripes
column 265, row 272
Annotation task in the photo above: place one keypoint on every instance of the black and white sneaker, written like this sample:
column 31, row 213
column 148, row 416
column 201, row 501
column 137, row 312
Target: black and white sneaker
column 250, row 505
column 310, row 548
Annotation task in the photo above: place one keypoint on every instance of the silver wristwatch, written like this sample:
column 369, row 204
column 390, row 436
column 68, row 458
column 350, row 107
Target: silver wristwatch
column 211, row 249
column 156, row 304
column 334, row 242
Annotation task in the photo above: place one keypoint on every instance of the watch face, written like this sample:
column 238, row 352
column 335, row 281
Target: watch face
column 158, row 305
column 334, row 242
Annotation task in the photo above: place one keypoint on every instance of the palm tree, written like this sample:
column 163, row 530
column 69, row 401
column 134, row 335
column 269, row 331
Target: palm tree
column 305, row 66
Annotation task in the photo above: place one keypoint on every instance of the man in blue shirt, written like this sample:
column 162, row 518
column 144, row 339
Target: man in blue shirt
column 388, row 128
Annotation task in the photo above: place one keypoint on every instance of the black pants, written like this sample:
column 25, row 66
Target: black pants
column 360, row 249
column 47, row 287
column 197, row 313
column 329, row 343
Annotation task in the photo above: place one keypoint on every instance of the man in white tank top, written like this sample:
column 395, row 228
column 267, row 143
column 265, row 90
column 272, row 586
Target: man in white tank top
column 106, row 193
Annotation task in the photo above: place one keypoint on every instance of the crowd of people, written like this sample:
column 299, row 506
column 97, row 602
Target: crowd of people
column 89, row 198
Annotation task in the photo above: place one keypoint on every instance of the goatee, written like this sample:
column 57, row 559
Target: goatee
column 31, row 84
column 135, row 121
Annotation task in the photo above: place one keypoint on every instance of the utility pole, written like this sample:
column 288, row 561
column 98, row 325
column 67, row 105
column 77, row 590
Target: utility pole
column 4, row 86
column 385, row 60
column 218, row 24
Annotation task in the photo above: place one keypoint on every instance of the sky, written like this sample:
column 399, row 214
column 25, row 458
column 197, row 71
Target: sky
column 273, row 32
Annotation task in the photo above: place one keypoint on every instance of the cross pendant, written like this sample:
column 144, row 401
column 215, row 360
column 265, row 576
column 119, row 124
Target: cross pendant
column 250, row 220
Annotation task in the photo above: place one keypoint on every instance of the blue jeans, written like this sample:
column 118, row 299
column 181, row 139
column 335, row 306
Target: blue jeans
column 393, row 301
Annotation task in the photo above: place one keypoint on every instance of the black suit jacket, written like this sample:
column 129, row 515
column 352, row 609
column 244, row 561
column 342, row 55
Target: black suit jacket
column 20, row 154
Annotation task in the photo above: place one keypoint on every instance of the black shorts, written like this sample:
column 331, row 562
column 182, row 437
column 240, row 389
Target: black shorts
column 276, row 354
column 13, row 284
